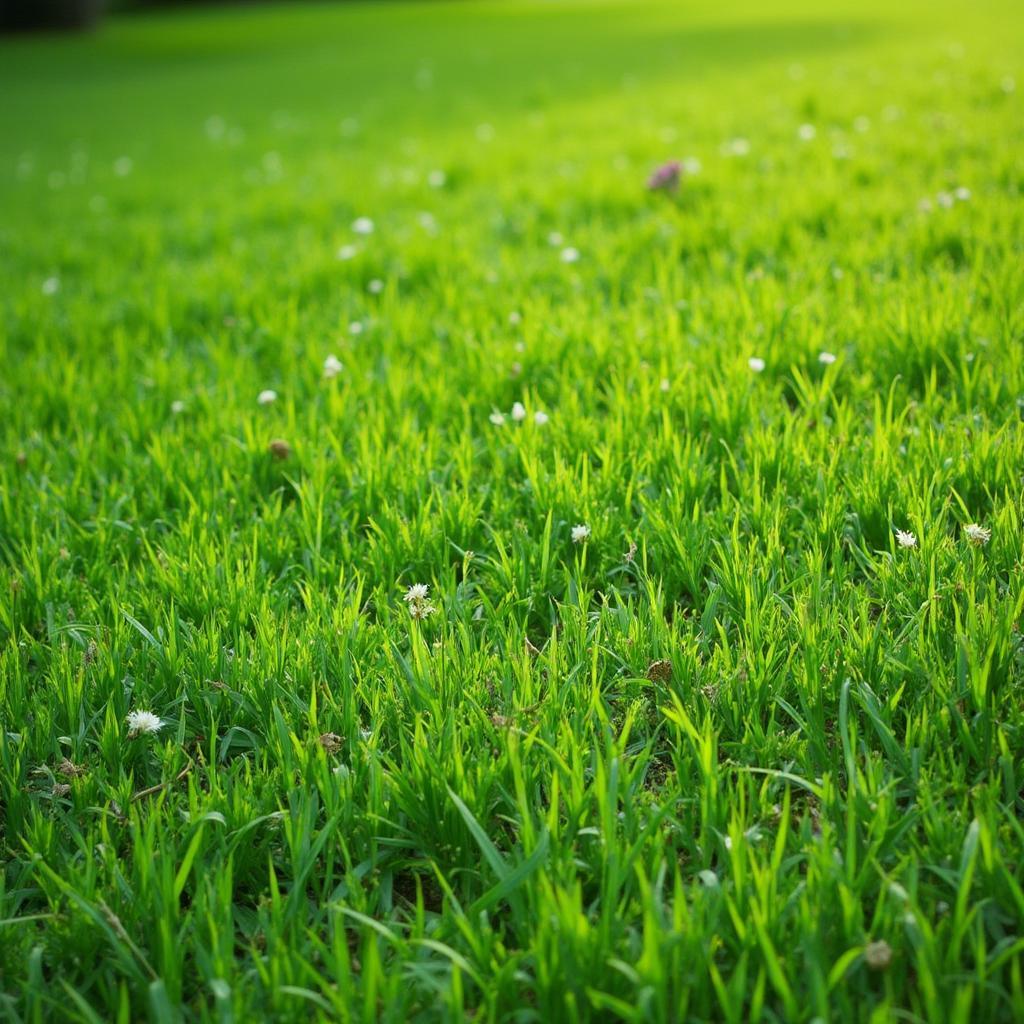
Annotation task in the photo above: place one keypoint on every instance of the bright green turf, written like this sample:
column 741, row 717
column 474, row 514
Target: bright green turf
column 517, row 825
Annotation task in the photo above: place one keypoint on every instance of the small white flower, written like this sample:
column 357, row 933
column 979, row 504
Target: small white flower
column 1008, row 84
column 736, row 147
column 945, row 200
column 756, row 363
column 417, row 592
column 580, row 533
column 142, row 722
column 518, row 412
column 362, row 226
column 177, row 406
column 376, row 286
column 51, row 286
column 570, row 254
column 332, row 366
column 826, row 358
column 555, row 239
column 806, row 132
column 347, row 252
column 977, row 534
column 515, row 318
column 690, row 165
column 497, row 418
column 421, row 610
column 906, row 539
column 123, row 166
column 925, row 205
column 962, row 193
column 267, row 397
column 540, row 418
column 437, row 179
column 666, row 384
column 356, row 327
column 861, row 124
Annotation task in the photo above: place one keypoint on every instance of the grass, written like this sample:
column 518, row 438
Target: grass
column 738, row 755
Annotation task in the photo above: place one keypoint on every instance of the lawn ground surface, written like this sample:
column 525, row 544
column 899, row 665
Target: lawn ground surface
column 683, row 729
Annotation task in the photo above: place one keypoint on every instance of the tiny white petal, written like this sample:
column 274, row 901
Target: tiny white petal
column 362, row 226
column 827, row 358
column 332, row 366
column 497, row 418
column 518, row 412
column 570, row 254
column 540, row 418
column 267, row 397
column 756, row 364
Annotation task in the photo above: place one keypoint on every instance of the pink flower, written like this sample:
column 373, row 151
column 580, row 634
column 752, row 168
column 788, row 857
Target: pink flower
column 666, row 177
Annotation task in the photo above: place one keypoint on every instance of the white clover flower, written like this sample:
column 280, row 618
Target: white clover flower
column 906, row 539
column 925, row 205
column 356, row 327
column 666, row 384
column 861, row 124
column 518, row 412
column 267, row 397
column 332, row 367
column 540, row 418
column 756, row 363
column 945, row 200
column 806, row 132
column 51, row 286
column 142, row 722
column 515, row 318
column 497, row 418
column 736, row 147
column 977, row 535
column 123, row 166
column 376, row 286
column 962, row 194
column 437, row 179
column 417, row 592
column 177, row 406
column 826, row 358
column 570, row 254
column 362, row 226
column 580, row 533
column 555, row 239
column 690, row 165
column 347, row 252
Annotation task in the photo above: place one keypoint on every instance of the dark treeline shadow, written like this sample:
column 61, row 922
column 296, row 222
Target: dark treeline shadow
column 70, row 15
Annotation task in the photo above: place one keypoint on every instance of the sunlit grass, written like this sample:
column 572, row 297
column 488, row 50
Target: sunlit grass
column 307, row 308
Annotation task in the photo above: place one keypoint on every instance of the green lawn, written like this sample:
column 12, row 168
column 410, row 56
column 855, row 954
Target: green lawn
column 732, row 749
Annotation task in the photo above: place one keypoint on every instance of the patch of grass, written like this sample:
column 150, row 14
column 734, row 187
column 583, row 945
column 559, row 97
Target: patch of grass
column 735, row 755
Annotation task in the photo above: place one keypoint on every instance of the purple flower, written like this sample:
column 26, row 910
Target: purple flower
column 666, row 177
